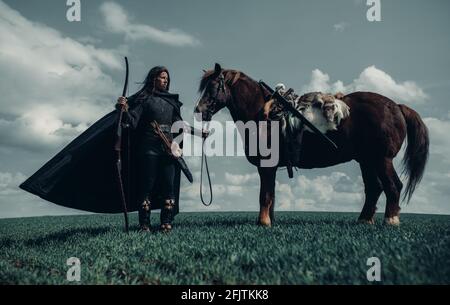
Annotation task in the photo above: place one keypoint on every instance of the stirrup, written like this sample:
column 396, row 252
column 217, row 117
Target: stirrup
column 290, row 172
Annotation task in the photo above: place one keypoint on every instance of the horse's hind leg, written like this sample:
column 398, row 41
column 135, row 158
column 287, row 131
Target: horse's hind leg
column 267, row 177
column 392, row 188
column 272, row 212
column 372, row 190
column 398, row 183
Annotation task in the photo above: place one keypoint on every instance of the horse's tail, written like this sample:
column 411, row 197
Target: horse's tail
column 416, row 154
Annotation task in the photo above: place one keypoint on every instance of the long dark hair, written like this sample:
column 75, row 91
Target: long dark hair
column 149, row 83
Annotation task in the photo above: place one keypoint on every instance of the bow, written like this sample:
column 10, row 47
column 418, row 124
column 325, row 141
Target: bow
column 118, row 149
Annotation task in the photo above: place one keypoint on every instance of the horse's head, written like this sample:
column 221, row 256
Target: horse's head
column 216, row 93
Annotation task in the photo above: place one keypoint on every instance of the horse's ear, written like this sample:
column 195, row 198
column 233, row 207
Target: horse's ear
column 217, row 68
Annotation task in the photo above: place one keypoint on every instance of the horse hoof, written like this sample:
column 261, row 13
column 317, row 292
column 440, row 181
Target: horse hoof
column 366, row 221
column 392, row 221
column 266, row 223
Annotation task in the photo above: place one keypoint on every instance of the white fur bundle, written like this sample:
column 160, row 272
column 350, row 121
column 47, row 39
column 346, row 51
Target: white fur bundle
column 315, row 116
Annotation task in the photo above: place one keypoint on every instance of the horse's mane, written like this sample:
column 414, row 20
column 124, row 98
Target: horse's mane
column 231, row 76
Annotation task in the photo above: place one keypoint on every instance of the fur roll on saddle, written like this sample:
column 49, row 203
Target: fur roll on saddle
column 324, row 110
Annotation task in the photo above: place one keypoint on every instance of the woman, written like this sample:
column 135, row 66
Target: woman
column 154, row 103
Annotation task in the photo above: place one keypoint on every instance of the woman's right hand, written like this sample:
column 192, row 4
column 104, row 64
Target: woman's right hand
column 176, row 150
column 122, row 102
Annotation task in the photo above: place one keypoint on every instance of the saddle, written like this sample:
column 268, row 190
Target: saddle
column 324, row 110
column 291, row 136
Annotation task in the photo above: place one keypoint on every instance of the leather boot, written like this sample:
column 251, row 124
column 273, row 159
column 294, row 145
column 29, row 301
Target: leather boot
column 167, row 215
column 144, row 216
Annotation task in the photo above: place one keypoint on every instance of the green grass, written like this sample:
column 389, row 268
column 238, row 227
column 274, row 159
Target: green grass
column 226, row 248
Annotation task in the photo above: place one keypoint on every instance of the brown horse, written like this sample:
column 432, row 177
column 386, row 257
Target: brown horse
column 372, row 135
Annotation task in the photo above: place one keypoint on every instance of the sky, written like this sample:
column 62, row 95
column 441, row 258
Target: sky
column 59, row 77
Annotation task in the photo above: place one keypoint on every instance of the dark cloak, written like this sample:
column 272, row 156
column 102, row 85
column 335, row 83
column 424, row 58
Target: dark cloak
column 83, row 175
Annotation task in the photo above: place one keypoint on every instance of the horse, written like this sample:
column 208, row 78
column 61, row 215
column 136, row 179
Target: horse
column 372, row 135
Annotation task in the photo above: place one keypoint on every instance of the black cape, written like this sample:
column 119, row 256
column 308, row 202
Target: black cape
column 83, row 175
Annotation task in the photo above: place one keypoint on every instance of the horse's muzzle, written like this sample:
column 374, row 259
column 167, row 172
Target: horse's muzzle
column 206, row 115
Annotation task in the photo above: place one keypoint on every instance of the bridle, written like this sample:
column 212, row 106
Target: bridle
column 209, row 113
column 221, row 88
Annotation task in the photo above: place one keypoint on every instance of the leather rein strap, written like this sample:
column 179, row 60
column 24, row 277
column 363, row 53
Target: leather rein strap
column 204, row 157
column 205, row 161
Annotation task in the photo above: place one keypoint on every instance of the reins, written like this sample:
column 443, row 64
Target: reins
column 205, row 161
column 222, row 87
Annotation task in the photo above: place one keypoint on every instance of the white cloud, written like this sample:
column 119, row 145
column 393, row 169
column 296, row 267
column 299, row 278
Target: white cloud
column 16, row 203
column 336, row 191
column 371, row 79
column 9, row 183
column 241, row 179
column 321, row 82
column 326, row 189
column 431, row 196
column 225, row 197
column 89, row 40
column 341, row 26
column 39, row 130
column 235, row 190
column 439, row 139
column 117, row 21
column 284, row 196
column 52, row 86
column 194, row 163
column 192, row 191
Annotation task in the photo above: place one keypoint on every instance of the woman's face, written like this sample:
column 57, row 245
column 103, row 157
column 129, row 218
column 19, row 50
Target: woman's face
column 161, row 81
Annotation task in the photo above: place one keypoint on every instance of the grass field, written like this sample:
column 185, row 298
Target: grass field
column 226, row 248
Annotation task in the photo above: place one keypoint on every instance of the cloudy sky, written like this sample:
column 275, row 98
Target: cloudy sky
column 58, row 77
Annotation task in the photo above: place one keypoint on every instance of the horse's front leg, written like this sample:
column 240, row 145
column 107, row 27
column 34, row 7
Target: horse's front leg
column 267, row 177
